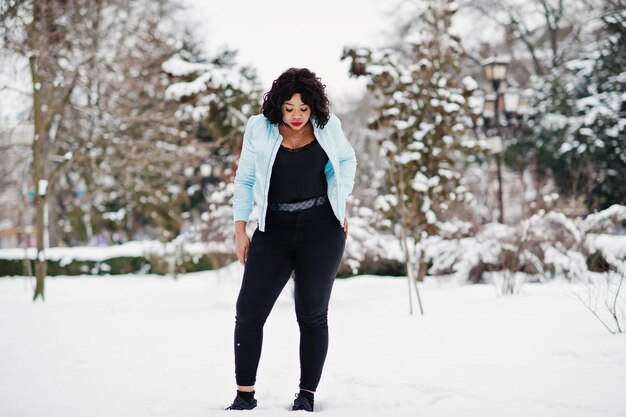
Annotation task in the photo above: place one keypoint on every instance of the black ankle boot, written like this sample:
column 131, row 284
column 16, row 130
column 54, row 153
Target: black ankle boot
column 243, row 401
column 303, row 401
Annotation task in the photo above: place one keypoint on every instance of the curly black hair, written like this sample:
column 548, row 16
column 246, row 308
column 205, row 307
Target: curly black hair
column 290, row 82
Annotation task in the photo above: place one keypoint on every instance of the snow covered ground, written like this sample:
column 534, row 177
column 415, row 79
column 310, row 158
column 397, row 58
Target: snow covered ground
column 152, row 346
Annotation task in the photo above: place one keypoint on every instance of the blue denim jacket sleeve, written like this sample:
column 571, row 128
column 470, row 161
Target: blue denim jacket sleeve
column 243, row 198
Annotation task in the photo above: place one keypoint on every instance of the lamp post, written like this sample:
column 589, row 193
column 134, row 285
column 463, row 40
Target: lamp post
column 495, row 70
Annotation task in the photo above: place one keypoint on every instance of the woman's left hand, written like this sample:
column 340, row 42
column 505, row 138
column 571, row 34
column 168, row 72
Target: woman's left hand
column 345, row 227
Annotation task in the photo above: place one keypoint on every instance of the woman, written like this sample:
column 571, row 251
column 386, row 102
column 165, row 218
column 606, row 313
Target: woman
column 299, row 168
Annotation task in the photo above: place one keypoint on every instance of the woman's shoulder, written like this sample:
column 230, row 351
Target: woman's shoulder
column 258, row 124
column 333, row 120
column 256, row 120
column 333, row 126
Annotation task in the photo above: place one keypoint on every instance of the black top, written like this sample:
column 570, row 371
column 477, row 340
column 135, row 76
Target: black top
column 298, row 174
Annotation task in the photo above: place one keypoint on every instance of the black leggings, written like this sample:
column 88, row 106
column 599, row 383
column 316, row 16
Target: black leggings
column 309, row 242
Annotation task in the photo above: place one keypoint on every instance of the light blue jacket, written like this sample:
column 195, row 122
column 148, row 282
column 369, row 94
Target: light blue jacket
column 261, row 142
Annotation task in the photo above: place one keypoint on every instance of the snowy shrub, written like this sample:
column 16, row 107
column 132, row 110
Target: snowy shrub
column 570, row 264
column 455, row 229
column 604, row 234
column 459, row 256
column 550, row 241
column 443, row 255
column 506, row 282
column 369, row 251
column 494, row 255
column 545, row 245
column 610, row 221
column 551, row 227
column 468, row 257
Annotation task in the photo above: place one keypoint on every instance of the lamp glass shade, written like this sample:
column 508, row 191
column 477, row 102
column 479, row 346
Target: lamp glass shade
column 489, row 109
column 499, row 71
column 511, row 101
column 495, row 68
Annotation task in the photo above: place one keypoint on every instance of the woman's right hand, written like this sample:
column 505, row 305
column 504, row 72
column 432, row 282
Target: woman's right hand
column 242, row 243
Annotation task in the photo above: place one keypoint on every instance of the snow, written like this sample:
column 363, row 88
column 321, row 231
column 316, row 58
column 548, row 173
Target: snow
column 570, row 263
column 99, row 253
column 451, row 107
column 608, row 220
column 469, row 83
column 406, row 157
column 209, row 75
column 420, row 182
column 154, row 346
column 385, row 202
column 179, row 67
column 554, row 121
column 116, row 216
column 565, row 147
column 425, row 128
column 42, row 188
column 607, row 244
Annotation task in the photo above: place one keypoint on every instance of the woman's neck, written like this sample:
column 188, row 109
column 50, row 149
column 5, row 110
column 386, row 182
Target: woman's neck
column 286, row 129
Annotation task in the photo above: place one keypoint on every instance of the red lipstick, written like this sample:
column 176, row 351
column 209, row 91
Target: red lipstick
column 296, row 124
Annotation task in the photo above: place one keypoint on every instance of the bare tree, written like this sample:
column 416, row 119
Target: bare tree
column 97, row 101
column 543, row 33
column 42, row 32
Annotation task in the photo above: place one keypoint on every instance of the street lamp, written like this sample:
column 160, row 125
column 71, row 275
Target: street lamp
column 495, row 70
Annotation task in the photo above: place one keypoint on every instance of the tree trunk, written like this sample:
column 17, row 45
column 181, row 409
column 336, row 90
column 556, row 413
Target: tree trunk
column 24, row 219
column 54, row 231
column 417, row 293
column 409, row 272
column 38, row 160
column 421, row 272
column 40, row 261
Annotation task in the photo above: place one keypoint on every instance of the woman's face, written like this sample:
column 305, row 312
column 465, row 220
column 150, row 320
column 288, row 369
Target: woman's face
column 295, row 113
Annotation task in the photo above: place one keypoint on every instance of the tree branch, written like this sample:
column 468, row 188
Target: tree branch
column 11, row 9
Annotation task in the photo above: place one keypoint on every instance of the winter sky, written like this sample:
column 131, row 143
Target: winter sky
column 274, row 35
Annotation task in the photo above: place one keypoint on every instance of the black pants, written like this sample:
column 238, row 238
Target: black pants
column 311, row 243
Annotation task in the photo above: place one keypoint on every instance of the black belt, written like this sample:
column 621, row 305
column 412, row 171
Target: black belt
column 299, row 205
